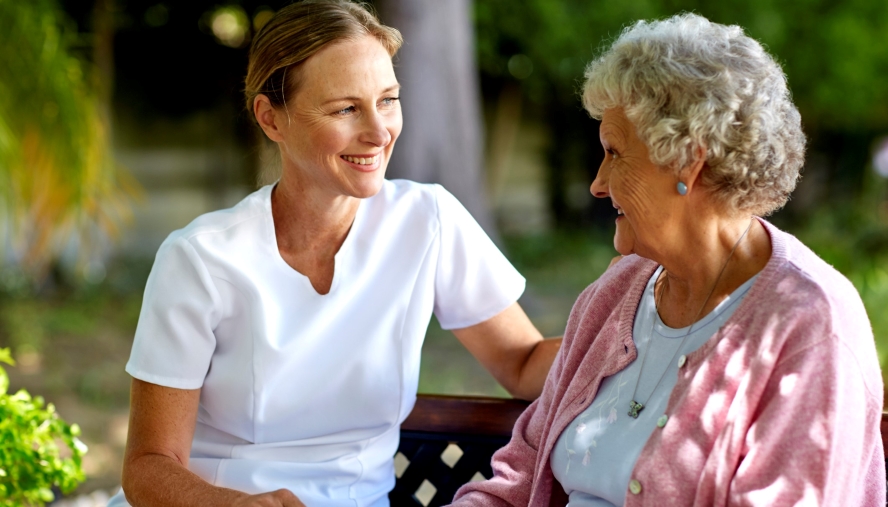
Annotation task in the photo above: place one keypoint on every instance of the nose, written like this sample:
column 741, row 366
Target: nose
column 376, row 131
column 600, row 184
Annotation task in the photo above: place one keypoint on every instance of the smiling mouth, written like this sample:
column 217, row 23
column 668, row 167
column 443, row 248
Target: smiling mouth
column 361, row 160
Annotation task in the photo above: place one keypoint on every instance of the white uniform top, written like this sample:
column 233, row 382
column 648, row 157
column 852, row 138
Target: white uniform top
column 299, row 390
column 595, row 455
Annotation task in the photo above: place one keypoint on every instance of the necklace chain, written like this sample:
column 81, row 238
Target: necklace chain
column 636, row 407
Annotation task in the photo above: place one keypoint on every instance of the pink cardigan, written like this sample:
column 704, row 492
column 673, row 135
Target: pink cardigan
column 781, row 407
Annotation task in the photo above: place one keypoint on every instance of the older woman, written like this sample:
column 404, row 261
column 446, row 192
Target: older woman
column 720, row 362
column 278, row 347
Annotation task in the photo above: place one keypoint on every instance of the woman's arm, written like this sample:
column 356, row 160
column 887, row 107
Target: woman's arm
column 512, row 350
column 155, row 466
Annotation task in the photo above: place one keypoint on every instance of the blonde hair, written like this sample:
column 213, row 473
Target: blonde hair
column 297, row 32
column 687, row 83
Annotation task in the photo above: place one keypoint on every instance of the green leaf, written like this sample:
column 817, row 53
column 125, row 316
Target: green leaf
column 80, row 447
column 6, row 356
column 46, row 495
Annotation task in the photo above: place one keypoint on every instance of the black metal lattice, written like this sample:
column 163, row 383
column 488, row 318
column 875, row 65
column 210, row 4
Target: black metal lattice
column 424, row 452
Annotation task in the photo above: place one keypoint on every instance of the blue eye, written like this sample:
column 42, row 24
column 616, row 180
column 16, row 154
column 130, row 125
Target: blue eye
column 611, row 152
column 390, row 101
column 348, row 110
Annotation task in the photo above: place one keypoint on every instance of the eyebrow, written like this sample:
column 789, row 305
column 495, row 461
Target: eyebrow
column 611, row 133
column 343, row 99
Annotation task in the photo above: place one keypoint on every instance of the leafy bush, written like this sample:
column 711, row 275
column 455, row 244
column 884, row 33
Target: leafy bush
column 31, row 460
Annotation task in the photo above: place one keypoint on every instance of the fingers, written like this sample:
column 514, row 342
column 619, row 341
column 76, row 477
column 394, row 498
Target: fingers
column 287, row 498
column 279, row 498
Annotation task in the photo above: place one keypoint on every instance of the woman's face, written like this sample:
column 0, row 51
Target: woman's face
column 338, row 129
column 642, row 192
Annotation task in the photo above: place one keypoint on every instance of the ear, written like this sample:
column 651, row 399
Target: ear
column 268, row 118
column 692, row 174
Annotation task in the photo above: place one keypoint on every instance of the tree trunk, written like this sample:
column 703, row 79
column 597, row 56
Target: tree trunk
column 442, row 140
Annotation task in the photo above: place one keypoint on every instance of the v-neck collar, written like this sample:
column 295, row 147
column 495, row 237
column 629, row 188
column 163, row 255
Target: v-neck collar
column 338, row 258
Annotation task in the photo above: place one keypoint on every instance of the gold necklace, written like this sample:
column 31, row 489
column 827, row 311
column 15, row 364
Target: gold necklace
column 636, row 407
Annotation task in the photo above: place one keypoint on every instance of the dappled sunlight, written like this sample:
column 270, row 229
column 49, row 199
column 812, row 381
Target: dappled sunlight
column 768, row 495
column 712, row 413
column 819, row 432
column 690, row 453
column 787, row 384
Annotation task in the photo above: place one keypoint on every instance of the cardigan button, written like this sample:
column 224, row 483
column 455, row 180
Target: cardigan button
column 682, row 360
column 662, row 420
column 634, row 487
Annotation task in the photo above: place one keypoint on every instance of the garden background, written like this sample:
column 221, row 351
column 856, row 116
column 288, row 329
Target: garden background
column 122, row 120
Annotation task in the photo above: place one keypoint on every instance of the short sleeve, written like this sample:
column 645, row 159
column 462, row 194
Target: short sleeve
column 474, row 280
column 174, row 339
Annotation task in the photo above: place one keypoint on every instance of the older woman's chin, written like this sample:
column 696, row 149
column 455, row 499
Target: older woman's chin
column 624, row 237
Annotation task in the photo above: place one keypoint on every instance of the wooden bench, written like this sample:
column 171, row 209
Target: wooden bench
column 447, row 441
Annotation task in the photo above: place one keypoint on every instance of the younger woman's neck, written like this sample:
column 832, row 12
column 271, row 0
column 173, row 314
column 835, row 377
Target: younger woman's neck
column 310, row 219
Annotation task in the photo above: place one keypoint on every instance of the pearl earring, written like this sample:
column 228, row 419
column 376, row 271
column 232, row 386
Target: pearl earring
column 682, row 188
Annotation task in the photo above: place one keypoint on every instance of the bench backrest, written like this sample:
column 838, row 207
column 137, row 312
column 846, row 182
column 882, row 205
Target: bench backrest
column 447, row 441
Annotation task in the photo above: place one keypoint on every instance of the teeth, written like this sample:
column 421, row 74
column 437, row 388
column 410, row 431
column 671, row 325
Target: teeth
column 619, row 211
column 362, row 160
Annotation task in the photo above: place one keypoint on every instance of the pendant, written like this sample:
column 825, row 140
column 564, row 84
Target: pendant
column 634, row 409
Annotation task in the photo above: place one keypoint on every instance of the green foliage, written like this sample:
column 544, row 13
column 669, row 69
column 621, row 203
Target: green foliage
column 31, row 461
column 835, row 53
column 563, row 261
column 57, row 178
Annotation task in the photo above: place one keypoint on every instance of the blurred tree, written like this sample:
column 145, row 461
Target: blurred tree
column 834, row 53
column 169, row 62
column 58, row 182
column 442, row 140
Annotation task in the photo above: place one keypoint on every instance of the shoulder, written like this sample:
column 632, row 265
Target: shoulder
column 428, row 196
column 409, row 194
column 606, row 299
column 221, row 227
column 806, row 305
column 429, row 203
column 801, row 285
column 617, row 283
column 404, row 202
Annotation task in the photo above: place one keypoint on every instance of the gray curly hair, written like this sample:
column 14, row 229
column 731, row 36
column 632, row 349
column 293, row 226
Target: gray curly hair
column 687, row 83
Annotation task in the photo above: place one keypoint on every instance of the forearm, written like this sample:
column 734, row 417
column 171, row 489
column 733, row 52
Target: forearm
column 156, row 480
column 536, row 368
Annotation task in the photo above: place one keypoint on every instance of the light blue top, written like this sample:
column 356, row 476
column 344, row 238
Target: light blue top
column 595, row 455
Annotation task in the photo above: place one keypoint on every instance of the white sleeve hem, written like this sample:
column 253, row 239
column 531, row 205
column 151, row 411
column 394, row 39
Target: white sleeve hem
column 483, row 317
column 174, row 382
